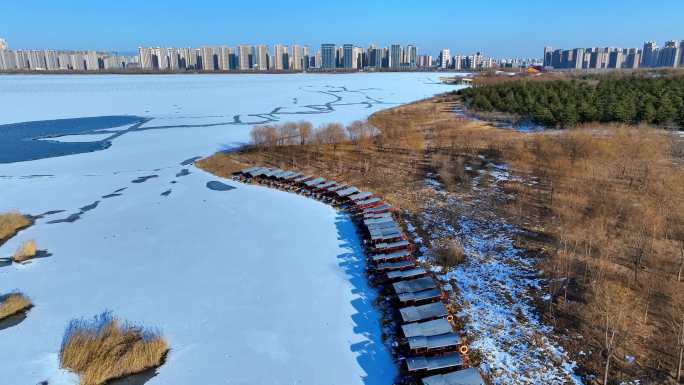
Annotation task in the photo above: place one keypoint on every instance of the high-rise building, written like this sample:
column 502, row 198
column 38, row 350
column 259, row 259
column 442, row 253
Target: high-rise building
column 145, row 58
column 77, row 61
column 92, row 61
column 632, row 58
column 425, row 61
column 339, row 57
column 8, row 60
column 318, row 61
column 668, row 56
column 51, row 60
column 261, row 57
column 328, row 55
column 306, row 59
column 357, row 53
column 245, row 57
column 395, row 56
column 207, row 62
column 296, row 58
column 374, row 56
column 187, row 58
column 280, row 57
column 224, row 57
column 548, row 55
column 444, row 58
column 615, row 59
column 411, row 53
column 578, row 58
column 649, row 54
column 347, row 56
column 458, row 62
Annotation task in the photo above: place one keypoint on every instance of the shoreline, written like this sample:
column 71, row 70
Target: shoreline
column 359, row 212
column 234, row 72
column 405, row 173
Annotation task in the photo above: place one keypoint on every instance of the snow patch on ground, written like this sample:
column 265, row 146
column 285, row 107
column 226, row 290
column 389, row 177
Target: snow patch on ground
column 495, row 287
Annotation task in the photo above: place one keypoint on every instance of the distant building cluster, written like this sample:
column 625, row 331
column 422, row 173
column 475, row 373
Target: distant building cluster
column 478, row 62
column 650, row 56
column 296, row 58
column 279, row 58
column 53, row 60
column 329, row 57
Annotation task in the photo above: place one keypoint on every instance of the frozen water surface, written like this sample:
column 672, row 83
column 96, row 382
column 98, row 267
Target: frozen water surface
column 251, row 286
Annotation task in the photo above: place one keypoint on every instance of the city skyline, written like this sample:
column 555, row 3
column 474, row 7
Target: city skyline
column 295, row 57
column 651, row 55
column 500, row 28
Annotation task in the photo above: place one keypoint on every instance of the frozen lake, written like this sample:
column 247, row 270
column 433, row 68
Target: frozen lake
column 250, row 286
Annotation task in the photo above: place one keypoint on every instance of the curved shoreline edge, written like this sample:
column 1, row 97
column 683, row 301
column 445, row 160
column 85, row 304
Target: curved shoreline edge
column 421, row 296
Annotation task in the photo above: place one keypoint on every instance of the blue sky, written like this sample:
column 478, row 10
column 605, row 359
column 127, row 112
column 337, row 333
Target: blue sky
column 495, row 27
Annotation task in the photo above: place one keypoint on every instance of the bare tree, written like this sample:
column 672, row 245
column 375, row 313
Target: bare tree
column 675, row 322
column 305, row 131
column 639, row 249
column 288, row 134
column 615, row 304
column 332, row 134
column 361, row 132
column 264, row 136
column 681, row 261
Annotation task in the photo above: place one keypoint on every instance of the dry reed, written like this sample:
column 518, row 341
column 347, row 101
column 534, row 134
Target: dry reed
column 10, row 223
column 104, row 349
column 26, row 251
column 12, row 304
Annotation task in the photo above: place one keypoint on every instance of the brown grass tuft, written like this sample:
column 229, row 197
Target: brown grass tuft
column 449, row 253
column 105, row 349
column 25, row 252
column 13, row 303
column 10, row 224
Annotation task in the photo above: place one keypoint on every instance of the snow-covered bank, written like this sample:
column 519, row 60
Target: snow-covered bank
column 251, row 286
column 495, row 287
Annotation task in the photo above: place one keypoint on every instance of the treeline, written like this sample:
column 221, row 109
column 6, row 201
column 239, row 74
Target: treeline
column 634, row 99
column 303, row 133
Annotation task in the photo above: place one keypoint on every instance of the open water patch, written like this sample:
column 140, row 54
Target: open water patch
column 27, row 141
column 219, row 186
column 190, row 161
column 115, row 193
column 74, row 217
column 144, row 179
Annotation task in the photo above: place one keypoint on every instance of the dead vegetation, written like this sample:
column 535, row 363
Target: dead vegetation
column 384, row 155
column 13, row 303
column 449, row 253
column 103, row 349
column 25, row 252
column 11, row 223
column 601, row 204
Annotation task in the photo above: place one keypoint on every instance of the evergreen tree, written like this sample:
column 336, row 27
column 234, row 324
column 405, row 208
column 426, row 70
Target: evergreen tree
column 604, row 98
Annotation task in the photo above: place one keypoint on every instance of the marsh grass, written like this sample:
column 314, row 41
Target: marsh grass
column 26, row 251
column 449, row 253
column 13, row 303
column 10, row 224
column 103, row 348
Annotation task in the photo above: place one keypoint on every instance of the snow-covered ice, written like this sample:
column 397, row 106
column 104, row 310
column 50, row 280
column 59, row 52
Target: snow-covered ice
column 251, row 286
